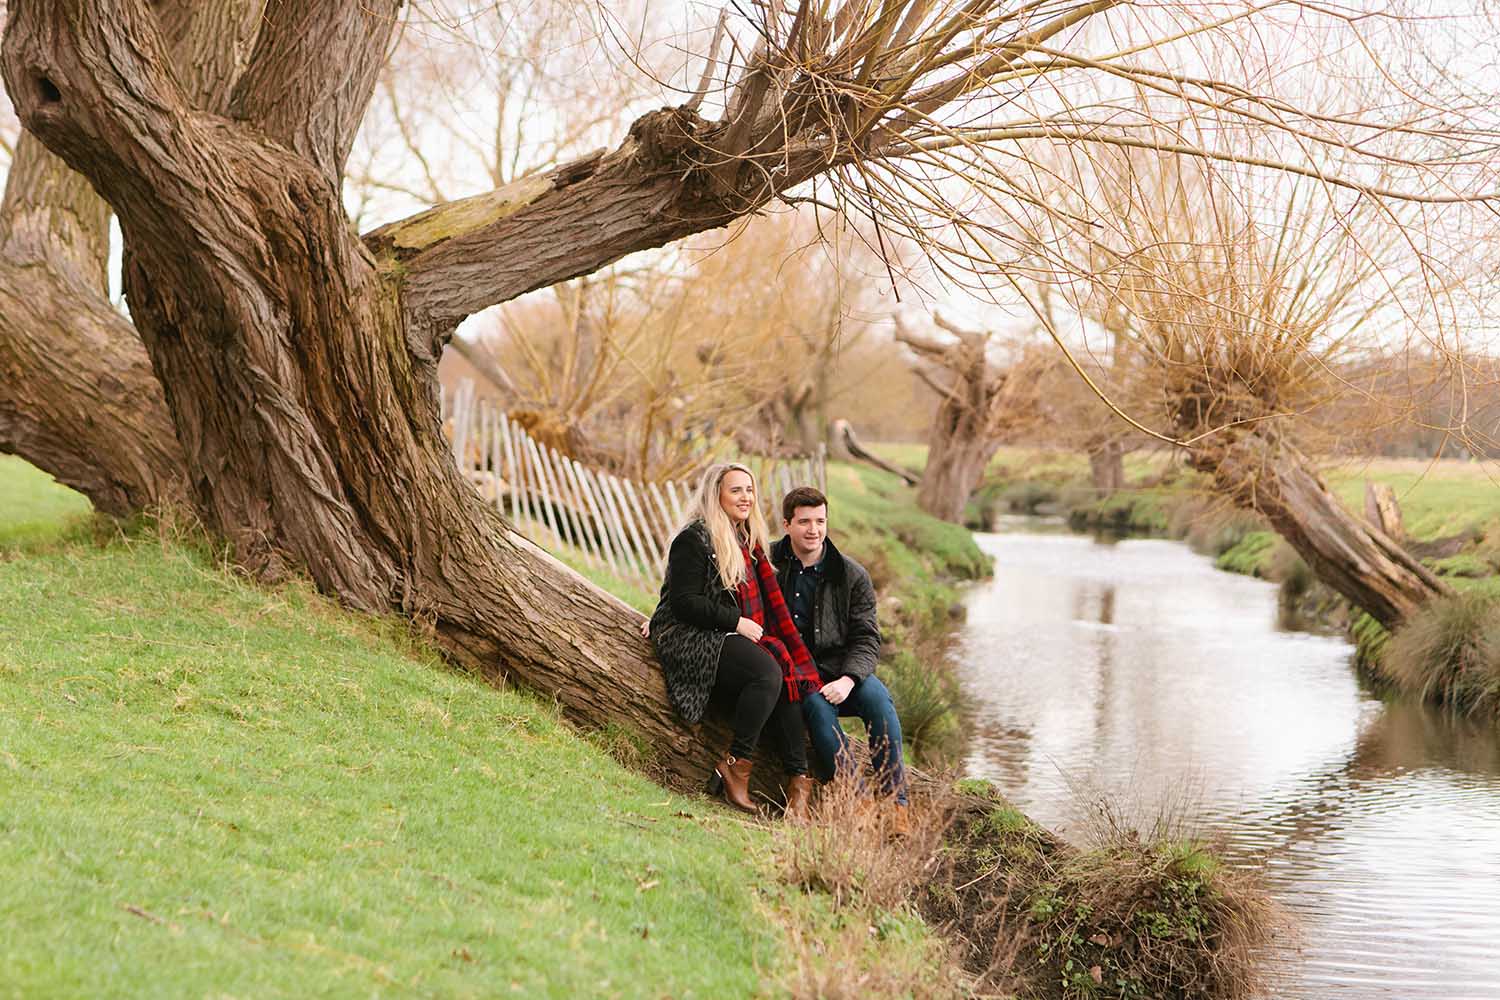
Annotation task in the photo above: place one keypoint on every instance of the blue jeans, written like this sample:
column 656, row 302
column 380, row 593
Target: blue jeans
column 871, row 702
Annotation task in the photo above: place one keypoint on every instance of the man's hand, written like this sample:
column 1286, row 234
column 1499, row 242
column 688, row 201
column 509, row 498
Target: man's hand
column 749, row 629
column 836, row 691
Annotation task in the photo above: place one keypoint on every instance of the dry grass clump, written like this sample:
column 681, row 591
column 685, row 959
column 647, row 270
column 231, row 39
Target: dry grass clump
column 857, row 963
column 850, row 853
column 1028, row 915
column 1449, row 652
column 848, row 850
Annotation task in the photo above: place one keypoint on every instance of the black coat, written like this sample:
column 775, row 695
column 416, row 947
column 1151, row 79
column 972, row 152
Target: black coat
column 692, row 617
column 845, row 635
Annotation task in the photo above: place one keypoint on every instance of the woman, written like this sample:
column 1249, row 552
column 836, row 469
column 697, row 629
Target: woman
column 722, row 631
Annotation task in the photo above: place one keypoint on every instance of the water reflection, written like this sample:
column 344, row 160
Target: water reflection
column 1137, row 672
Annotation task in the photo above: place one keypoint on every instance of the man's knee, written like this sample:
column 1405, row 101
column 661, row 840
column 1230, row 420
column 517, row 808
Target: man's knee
column 874, row 698
column 817, row 712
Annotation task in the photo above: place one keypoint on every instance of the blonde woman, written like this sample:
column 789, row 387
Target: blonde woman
column 723, row 633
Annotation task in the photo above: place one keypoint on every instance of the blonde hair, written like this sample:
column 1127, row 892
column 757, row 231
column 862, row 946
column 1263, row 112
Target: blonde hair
column 723, row 536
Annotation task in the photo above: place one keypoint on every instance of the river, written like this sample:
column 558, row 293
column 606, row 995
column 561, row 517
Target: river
column 1132, row 672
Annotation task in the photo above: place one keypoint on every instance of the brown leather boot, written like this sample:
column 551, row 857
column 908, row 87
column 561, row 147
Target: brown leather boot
column 734, row 780
column 798, row 799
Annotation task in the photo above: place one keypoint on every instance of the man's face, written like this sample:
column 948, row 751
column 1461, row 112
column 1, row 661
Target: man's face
column 807, row 529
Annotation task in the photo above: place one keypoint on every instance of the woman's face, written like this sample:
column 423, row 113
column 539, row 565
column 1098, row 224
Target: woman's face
column 737, row 495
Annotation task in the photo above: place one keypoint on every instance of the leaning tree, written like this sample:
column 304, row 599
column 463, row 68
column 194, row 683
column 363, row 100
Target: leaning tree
column 294, row 399
column 1245, row 306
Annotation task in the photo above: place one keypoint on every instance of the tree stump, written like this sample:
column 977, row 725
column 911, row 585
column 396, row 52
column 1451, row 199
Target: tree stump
column 1383, row 510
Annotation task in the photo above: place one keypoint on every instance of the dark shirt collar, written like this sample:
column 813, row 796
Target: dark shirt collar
column 816, row 567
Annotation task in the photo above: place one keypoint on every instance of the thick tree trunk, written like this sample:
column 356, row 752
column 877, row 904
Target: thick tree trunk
column 78, row 398
column 1264, row 473
column 957, row 452
column 300, row 380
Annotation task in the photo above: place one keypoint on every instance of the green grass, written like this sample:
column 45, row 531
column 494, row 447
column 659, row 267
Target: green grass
column 211, row 788
column 1249, row 555
column 1438, row 499
column 34, row 510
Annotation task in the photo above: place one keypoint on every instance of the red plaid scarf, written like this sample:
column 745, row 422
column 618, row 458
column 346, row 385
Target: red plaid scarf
column 781, row 638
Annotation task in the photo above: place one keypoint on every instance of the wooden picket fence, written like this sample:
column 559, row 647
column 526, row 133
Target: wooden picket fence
column 614, row 523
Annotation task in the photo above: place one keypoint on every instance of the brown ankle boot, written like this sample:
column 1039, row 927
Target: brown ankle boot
column 734, row 776
column 798, row 798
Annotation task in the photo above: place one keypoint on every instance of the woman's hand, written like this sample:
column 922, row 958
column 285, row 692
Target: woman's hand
column 749, row 630
column 646, row 629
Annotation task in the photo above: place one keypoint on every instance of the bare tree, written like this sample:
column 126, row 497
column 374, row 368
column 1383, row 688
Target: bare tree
column 1241, row 320
column 984, row 399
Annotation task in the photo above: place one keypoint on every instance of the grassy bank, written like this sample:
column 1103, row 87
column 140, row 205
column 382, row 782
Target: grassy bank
column 212, row 788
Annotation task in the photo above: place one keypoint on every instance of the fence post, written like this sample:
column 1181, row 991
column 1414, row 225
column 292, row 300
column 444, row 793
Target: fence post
column 565, row 523
column 657, row 553
column 584, row 476
column 535, row 462
column 571, row 508
column 461, row 405
column 679, row 514
column 513, row 475
column 665, row 523
column 642, row 552
column 498, row 475
column 601, row 479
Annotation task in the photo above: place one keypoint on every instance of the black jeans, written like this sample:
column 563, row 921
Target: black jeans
column 750, row 688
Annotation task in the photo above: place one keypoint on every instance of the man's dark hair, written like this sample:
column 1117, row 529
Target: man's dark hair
column 802, row 496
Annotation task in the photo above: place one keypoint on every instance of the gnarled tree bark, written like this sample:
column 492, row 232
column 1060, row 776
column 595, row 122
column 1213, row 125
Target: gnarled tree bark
column 980, row 404
column 78, row 397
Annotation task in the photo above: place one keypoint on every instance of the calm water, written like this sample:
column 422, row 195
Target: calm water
column 1137, row 672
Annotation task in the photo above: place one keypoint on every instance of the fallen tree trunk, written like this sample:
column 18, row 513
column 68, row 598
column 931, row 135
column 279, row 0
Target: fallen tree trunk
column 1265, row 473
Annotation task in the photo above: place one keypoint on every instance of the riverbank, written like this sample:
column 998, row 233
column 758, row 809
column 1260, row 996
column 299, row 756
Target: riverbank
column 1450, row 652
column 217, row 787
column 211, row 787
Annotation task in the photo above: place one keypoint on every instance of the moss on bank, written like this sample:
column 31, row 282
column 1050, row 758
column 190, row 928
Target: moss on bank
column 1123, row 917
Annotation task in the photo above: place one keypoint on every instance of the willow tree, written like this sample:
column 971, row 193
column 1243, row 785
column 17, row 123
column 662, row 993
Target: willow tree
column 982, row 400
column 77, row 393
column 296, row 358
column 1245, row 305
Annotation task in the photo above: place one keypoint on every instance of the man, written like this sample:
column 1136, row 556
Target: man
column 833, row 605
